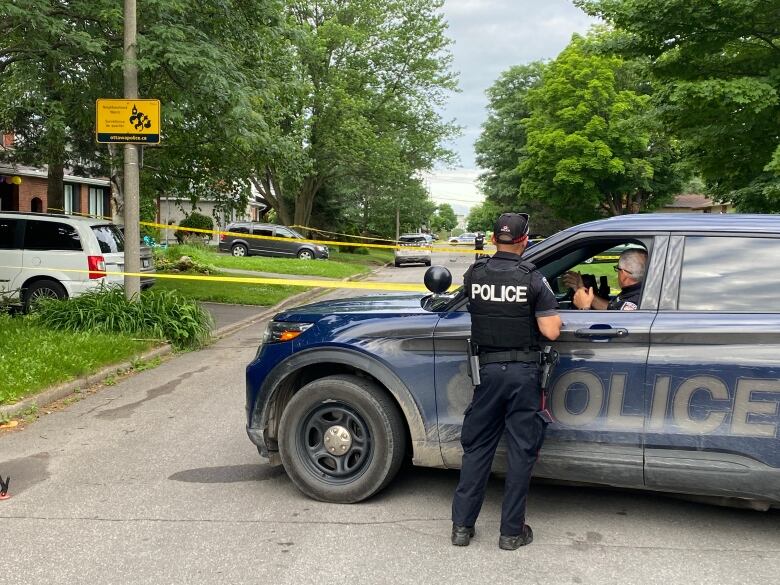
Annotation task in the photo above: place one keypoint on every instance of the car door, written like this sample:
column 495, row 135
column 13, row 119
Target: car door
column 261, row 245
column 10, row 258
column 713, row 424
column 52, row 246
column 289, row 247
column 597, row 390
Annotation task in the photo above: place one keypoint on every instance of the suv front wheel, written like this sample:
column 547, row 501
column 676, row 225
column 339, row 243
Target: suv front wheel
column 342, row 439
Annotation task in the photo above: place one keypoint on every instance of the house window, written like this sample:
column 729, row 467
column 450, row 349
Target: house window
column 96, row 197
column 71, row 198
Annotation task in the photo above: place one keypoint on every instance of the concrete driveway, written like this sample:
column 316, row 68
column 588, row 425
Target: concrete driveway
column 153, row 480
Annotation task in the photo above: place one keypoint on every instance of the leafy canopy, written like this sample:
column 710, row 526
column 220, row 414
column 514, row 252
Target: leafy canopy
column 593, row 146
column 718, row 64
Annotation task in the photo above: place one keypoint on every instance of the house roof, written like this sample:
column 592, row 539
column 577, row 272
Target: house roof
column 691, row 201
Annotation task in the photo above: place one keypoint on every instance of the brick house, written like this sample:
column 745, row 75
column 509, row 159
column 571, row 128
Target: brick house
column 23, row 188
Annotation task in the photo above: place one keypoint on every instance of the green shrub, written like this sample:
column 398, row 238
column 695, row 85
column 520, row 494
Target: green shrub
column 194, row 220
column 164, row 315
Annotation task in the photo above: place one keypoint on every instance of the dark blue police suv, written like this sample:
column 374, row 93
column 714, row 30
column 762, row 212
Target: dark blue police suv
column 678, row 396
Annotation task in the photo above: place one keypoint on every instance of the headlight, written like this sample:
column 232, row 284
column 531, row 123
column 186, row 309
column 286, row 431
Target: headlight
column 279, row 332
column 320, row 248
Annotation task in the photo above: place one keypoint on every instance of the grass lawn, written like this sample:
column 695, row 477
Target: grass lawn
column 33, row 357
column 375, row 257
column 224, row 292
column 340, row 265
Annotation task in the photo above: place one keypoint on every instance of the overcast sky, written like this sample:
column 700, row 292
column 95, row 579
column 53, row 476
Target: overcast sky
column 489, row 37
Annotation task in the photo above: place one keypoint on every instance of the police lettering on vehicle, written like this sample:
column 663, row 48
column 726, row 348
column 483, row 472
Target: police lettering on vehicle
column 750, row 409
column 500, row 294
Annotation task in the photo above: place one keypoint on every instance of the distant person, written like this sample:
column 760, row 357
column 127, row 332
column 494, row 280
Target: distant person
column 479, row 245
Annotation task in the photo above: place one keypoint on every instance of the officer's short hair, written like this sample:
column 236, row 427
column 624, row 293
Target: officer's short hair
column 635, row 263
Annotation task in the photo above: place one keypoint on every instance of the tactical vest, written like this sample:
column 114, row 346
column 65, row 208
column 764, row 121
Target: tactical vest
column 501, row 315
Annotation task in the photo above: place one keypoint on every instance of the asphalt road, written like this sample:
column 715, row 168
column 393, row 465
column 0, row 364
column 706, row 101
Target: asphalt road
column 153, row 480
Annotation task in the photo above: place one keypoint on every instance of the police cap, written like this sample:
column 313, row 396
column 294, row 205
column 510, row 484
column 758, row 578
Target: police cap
column 511, row 227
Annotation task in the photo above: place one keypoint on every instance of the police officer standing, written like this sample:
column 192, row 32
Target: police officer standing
column 511, row 307
column 479, row 245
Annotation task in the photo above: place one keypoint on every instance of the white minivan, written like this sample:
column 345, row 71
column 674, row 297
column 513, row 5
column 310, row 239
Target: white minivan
column 41, row 255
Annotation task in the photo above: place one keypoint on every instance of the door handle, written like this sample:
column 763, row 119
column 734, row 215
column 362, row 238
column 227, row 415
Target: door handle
column 606, row 332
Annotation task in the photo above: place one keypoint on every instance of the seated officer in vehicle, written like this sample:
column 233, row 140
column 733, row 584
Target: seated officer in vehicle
column 630, row 270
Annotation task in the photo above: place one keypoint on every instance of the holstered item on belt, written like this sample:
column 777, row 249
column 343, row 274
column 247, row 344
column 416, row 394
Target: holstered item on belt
column 512, row 355
column 473, row 361
column 549, row 358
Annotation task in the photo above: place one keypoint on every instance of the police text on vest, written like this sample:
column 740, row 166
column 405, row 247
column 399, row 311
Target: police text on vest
column 501, row 294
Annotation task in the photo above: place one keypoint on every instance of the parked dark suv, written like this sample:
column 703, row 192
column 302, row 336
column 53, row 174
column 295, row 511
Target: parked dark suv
column 681, row 395
column 290, row 247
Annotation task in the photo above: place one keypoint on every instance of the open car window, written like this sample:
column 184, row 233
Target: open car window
column 594, row 259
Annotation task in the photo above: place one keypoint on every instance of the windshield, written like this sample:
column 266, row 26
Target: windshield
column 109, row 238
column 413, row 239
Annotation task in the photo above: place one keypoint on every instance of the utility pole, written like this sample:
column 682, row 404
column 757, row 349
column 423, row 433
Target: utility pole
column 131, row 171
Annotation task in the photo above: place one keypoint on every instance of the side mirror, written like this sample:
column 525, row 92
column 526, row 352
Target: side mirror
column 438, row 279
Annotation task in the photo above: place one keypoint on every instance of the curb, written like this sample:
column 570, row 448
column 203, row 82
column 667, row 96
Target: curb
column 67, row 388
column 62, row 390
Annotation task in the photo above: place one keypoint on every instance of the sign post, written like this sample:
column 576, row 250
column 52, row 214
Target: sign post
column 131, row 171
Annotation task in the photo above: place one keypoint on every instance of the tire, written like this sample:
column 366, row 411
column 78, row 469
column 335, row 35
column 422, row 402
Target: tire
column 397, row 264
column 239, row 250
column 376, row 439
column 428, row 263
column 43, row 289
column 305, row 254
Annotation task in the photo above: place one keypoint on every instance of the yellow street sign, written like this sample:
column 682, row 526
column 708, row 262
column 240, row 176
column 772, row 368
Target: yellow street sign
column 128, row 121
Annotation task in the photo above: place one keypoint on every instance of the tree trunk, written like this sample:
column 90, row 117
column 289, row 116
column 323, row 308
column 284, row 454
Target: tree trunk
column 55, row 190
column 304, row 202
column 271, row 192
column 117, row 193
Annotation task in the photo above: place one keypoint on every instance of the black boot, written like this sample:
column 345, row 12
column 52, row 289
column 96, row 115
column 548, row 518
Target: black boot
column 462, row 535
column 513, row 542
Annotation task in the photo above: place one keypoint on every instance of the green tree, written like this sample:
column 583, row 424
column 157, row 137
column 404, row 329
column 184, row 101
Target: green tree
column 503, row 136
column 213, row 66
column 375, row 74
column 47, row 50
column 718, row 62
column 482, row 217
column 444, row 218
column 593, row 146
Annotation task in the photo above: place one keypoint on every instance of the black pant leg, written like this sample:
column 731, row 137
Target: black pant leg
column 483, row 427
column 524, row 434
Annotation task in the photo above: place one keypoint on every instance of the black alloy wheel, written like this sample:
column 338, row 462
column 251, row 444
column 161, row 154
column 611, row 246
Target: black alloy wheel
column 342, row 439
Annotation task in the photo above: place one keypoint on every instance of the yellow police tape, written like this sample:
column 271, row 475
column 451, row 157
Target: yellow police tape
column 312, row 283
column 175, row 227
column 320, row 242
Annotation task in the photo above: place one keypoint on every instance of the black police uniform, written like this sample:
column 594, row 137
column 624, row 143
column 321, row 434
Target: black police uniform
column 479, row 242
column 628, row 299
column 506, row 295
